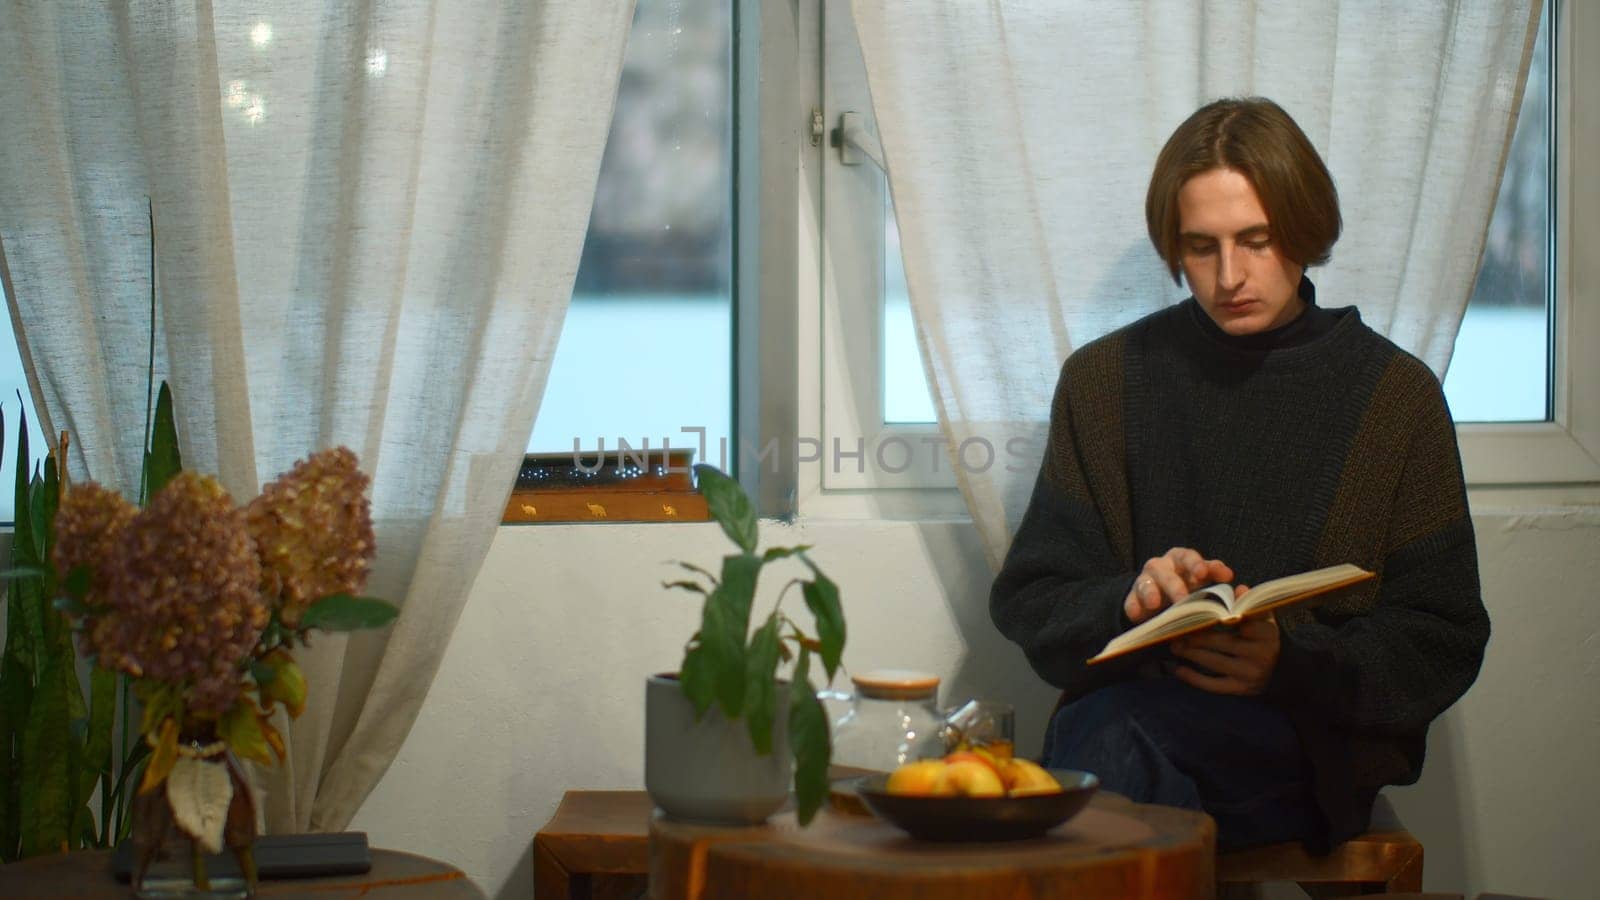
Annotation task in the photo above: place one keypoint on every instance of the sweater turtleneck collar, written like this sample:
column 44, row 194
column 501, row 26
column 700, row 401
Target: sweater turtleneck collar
column 1312, row 323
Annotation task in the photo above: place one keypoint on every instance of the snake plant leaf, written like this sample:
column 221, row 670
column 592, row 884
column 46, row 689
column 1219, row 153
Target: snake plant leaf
column 760, row 686
column 163, row 461
column 822, row 598
column 22, row 546
column 808, row 739
column 42, row 510
column 102, row 718
column 46, row 796
column 729, row 505
column 16, row 696
column 342, row 612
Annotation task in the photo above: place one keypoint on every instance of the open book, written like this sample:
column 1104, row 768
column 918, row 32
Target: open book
column 1216, row 605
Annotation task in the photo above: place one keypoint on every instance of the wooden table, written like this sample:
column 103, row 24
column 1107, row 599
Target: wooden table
column 86, row 875
column 1114, row 848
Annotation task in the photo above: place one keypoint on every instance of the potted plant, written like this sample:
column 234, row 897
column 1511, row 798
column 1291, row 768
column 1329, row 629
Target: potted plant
column 720, row 734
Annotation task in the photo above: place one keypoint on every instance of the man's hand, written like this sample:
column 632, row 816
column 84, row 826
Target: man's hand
column 1168, row 578
column 1241, row 660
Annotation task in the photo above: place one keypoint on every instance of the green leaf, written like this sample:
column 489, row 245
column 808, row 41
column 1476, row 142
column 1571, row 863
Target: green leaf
column 287, row 684
column 160, row 701
column 696, row 679
column 694, row 586
column 102, row 719
column 822, row 598
column 16, row 696
column 17, row 572
column 808, row 739
column 240, row 726
column 46, row 498
column 46, row 814
column 729, row 505
column 163, row 461
column 78, row 581
column 761, row 684
column 725, row 620
column 28, row 596
column 701, row 572
column 22, row 548
column 342, row 612
column 262, row 673
column 782, row 552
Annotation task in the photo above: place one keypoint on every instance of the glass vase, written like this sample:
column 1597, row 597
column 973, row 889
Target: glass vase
column 170, row 863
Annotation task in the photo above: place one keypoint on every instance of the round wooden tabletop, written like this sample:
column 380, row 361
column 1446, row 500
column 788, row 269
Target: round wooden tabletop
column 1114, row 848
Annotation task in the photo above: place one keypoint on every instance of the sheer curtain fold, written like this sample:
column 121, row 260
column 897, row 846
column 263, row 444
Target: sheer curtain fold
column 1019, row 135
column 367, row 223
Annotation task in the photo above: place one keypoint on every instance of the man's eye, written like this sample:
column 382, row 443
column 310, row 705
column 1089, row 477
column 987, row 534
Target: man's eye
column 1258, row 245
column 1201, row 249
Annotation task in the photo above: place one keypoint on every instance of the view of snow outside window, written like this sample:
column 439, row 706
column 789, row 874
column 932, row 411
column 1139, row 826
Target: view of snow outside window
column 646, row 350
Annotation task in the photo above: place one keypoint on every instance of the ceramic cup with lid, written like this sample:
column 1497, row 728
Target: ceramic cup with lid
column 893, row 718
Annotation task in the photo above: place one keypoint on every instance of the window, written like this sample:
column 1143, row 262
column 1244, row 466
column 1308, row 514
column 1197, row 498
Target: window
column 1500, row 370
column 14, row 384
column 1523, row 397
column 645, row 351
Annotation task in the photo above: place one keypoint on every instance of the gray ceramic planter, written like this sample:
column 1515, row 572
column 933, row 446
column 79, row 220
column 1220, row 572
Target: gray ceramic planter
column 707, row 771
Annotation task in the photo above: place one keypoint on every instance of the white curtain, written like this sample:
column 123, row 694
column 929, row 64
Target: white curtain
column 1019, row 139
column 368, row 217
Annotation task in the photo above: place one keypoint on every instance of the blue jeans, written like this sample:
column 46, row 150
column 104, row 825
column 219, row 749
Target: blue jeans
column 1162, row 741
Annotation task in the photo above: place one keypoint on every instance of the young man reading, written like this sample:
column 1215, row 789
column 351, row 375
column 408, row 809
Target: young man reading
column 1241, row 435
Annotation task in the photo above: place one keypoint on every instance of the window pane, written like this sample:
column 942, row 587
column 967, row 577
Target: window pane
column 13, row 382
column 646, row 349
column 906, row 399
column 1500, row 371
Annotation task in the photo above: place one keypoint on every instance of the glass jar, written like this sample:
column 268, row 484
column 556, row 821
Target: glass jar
column 893, row 718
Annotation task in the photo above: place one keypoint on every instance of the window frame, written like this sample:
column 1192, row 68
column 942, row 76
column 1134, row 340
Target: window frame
column 1566, row 450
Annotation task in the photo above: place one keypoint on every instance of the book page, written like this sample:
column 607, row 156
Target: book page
column 1293, row 587
column 1202, row 606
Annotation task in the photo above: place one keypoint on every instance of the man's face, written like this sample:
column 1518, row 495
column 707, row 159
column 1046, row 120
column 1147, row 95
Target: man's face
column 1241, row 279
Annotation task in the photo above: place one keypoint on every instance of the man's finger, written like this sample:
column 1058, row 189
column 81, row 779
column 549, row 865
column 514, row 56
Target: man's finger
column 1220, row 663
column 1220, row 572
column 1215, row 685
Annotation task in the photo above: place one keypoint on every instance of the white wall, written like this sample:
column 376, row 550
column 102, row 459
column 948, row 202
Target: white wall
column 542, row 688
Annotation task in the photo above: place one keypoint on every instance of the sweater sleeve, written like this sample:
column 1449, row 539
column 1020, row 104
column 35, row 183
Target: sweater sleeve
column 1393, row 669
column 1059, row 593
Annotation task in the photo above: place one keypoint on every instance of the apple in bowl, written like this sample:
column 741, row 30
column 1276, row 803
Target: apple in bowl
column 971, row 773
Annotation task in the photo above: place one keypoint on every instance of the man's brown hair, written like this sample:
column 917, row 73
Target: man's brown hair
column 1255, row 137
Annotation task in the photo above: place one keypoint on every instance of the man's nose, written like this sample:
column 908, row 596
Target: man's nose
column 1230, row 271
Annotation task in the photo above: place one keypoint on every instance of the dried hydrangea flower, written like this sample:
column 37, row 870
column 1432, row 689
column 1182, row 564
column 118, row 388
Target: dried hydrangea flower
column 87, row 526
column 182, row 587
column 313, row 529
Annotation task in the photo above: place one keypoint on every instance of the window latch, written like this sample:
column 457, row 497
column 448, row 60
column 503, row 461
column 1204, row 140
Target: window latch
column 855, row 141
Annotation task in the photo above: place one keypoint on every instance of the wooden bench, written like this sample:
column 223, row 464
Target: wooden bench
column 1386, row 859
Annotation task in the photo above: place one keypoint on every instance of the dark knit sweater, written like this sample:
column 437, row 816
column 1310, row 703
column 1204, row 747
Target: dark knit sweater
column 1335, row 447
